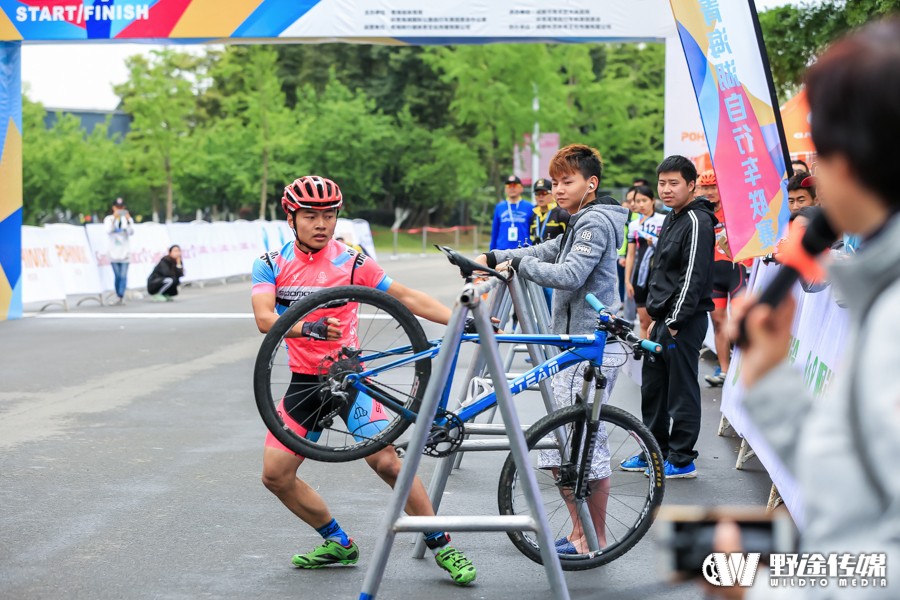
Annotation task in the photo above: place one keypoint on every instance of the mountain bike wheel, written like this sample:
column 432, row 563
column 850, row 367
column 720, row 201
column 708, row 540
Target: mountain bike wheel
column 309, row 392
column 630, row 500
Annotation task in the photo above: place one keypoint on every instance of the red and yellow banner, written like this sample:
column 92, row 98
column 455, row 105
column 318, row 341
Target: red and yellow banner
column 732, row 88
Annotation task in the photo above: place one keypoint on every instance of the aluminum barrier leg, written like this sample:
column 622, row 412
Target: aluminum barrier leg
column 394, row 522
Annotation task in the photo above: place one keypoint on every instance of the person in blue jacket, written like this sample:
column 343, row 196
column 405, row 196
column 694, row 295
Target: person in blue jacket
column 511, row 218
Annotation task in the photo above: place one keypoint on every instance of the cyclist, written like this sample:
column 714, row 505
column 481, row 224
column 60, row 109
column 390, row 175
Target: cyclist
column 580, row 261
column 728, row 279
column 313, row 261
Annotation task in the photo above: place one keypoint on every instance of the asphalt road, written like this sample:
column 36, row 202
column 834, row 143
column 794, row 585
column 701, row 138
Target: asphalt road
column 130, row 454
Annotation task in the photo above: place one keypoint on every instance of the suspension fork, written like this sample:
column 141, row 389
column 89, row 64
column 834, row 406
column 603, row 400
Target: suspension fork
column 589, row 441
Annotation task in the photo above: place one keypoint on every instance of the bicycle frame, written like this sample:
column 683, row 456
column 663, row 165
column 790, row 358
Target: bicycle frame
column 588, row 347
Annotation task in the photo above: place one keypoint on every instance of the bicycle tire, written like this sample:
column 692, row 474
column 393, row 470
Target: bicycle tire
column 526, row 543
column 274, row 340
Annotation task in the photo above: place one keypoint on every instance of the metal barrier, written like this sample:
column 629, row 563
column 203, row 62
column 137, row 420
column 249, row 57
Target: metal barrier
column 469, row 301
column 529, row 304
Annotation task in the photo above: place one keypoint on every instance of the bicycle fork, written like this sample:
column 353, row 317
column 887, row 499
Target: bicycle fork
column 577, row 455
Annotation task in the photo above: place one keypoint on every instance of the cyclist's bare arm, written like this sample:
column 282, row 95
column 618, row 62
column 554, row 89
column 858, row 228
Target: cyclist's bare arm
column 264, row 313
column 420, row 303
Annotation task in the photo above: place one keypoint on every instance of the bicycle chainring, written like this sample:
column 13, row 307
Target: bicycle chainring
column 444, row 440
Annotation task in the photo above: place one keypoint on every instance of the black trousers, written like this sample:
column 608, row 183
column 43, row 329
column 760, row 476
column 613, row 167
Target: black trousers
column 670, row 389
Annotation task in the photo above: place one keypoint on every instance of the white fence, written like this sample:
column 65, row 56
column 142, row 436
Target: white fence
column 59, row 261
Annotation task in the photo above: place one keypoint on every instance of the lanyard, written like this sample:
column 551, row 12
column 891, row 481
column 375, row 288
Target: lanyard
column 512, row 221
column 542, row 226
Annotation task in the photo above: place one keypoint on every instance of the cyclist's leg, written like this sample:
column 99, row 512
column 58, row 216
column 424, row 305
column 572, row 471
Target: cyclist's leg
column 280, row 467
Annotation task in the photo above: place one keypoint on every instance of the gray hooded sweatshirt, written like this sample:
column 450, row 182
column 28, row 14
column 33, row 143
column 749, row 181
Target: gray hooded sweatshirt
column 845, row 509
column 579, row 262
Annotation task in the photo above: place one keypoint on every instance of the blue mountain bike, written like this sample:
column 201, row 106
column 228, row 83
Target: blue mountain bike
column 366, row 387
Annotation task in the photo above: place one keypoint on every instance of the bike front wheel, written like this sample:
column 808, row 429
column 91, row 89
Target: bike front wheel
column 621, row 505
column 343, row 399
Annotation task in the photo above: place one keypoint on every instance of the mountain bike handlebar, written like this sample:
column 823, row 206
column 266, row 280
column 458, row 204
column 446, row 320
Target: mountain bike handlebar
column 621, row 328
column 467, row 266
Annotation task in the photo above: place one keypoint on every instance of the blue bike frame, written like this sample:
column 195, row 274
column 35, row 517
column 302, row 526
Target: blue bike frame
column 589, row 347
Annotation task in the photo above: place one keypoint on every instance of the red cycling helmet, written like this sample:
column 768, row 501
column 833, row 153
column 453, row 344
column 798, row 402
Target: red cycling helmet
column 314, row 192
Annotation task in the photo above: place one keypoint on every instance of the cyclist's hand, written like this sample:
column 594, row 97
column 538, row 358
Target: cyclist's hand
column 470, row 326
column 326, row 328
column 629, row 289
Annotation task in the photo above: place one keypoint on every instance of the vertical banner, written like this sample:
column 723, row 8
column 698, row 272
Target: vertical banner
column 683, row 127
column 10, row 180
column 732, row 84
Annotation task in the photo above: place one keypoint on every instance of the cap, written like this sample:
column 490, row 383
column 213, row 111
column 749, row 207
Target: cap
column 119, row 203
column 513, row 179
column 543, row 185
column 707, row 177
column 808, row 182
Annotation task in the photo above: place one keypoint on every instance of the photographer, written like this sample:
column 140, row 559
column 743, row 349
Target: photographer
column 162, row 285
column 841, row 448
column 119, row 228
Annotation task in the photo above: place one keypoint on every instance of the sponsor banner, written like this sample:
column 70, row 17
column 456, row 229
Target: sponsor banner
column 731, row 84
column 272, row 235
column 149, row 243
column 41, row 275
column 77, row 263
column 460, row 21
column 818, row 340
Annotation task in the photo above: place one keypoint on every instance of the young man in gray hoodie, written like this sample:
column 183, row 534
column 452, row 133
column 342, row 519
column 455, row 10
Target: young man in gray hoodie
column 581, row 261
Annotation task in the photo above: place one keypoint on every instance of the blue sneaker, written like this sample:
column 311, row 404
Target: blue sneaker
column 561, row 542
column 689, row 471
column 635, row 463
column 567, row 548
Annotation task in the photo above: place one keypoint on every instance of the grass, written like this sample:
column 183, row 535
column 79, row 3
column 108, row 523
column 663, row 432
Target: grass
column 409, row 243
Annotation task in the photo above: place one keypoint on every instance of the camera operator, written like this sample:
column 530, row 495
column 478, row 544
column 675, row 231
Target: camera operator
column 841, row 448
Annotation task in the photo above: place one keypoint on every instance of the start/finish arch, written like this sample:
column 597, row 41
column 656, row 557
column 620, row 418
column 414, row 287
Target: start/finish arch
column 399, row 22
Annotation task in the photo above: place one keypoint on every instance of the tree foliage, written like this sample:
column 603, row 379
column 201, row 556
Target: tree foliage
column 424, row 132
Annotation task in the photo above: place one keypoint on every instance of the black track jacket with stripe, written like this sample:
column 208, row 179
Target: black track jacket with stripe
column 680, row 283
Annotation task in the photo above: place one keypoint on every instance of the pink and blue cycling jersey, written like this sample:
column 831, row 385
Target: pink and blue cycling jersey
column 292, row 275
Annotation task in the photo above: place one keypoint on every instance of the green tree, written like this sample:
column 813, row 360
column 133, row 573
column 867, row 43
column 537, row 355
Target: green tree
column 252, row 101
column 160, row 97
column 795, row 34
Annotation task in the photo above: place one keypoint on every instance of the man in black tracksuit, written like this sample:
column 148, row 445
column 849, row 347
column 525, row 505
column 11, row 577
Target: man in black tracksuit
column 679, row 298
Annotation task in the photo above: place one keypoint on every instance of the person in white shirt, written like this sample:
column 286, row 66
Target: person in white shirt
column 119, row 227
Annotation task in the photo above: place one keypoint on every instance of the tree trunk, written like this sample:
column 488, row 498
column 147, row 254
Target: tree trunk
column 265, row 181
column 264, row 125
column 169, row 191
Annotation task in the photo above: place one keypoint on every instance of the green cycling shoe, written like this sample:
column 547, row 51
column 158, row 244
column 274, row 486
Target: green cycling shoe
column 329, row 553
column 455, row 562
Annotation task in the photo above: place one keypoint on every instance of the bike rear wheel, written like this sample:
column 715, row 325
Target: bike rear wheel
column 630, row 499
column 310, row 393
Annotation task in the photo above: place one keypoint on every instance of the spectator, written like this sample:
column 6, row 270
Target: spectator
column 728, row 279
column 642, row 235
column 799, row 167
column 547, row 220
column 801, row 189
column 678, row 300
column 640, row 181
column 119, row 228
column 162, row 285
column 629, row 310
column 580, row 261
column 838, row 447
column 510, row 227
